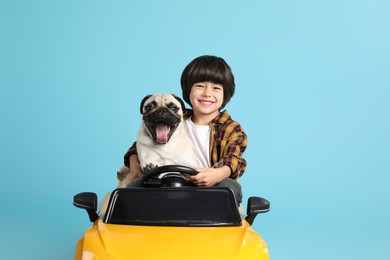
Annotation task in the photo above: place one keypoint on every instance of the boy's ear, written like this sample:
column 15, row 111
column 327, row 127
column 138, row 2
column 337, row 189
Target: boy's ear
column 143, row 102
column 183, row 107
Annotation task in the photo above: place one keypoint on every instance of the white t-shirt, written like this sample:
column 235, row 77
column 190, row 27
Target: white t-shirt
column 199, row 136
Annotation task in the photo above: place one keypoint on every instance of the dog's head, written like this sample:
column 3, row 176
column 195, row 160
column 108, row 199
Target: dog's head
column 161, row 115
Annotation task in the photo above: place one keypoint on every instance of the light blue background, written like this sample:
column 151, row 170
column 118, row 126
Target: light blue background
column 312, row 94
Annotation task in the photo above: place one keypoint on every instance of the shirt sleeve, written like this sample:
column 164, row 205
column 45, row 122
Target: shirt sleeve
column 233, row 147
column 132, row 150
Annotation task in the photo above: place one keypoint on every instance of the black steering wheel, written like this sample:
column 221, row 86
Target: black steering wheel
column 174, row 176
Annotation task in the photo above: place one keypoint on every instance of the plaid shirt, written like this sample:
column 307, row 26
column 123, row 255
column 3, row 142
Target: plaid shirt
column 228, row 142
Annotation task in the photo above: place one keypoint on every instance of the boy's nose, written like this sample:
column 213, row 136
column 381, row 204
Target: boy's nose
column 206, row 92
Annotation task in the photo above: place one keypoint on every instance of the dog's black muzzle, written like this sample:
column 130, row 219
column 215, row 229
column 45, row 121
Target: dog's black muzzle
column 162, row 115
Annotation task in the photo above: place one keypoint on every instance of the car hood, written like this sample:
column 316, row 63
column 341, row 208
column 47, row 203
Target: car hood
column 156, row 242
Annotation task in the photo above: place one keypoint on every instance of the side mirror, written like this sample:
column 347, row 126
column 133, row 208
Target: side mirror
column 87, row 201
column 256, row 205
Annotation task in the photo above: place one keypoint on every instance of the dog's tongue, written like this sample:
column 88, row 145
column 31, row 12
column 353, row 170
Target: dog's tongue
column 162, row 132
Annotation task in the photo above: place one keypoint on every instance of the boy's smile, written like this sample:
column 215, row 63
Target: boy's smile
column 205, row 102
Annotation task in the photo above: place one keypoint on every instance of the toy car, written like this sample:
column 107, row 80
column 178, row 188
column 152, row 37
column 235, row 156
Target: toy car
column 168, row 218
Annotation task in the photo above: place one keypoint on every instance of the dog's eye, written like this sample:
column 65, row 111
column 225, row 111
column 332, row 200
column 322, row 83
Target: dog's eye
column 173, row 107
column 149, row 107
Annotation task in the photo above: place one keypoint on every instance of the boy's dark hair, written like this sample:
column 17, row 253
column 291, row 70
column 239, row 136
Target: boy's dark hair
column 208, row 68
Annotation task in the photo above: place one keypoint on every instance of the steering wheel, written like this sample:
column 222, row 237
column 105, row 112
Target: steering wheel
column 174, row 175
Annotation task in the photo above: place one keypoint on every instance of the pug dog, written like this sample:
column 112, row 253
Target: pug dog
column 162, row 139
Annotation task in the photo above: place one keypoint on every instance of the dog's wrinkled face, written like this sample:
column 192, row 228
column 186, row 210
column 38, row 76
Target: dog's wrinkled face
column 162, row 113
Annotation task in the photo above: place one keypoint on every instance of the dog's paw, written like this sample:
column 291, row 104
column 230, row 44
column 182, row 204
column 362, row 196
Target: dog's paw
column 149, row 166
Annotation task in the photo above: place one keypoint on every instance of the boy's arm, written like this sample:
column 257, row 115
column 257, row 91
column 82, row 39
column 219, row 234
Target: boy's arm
column 131, row 151
column 132, row 162
column 232, row 152
column 231, row 163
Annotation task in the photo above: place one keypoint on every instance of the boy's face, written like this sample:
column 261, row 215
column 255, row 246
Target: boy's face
column 206, row 98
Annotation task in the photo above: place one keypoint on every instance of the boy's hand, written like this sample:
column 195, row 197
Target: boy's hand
column 210, row 176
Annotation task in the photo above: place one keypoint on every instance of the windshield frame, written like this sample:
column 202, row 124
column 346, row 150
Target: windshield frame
column 183, row 206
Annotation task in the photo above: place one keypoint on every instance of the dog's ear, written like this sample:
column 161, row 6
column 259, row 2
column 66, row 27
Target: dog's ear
column 183, row 107
column 143, row 102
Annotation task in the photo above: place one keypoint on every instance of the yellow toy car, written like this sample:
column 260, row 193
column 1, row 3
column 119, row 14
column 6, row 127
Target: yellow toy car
column 167, row 218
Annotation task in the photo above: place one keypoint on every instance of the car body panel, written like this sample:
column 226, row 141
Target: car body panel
column 171, row 222
column 111, row 241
